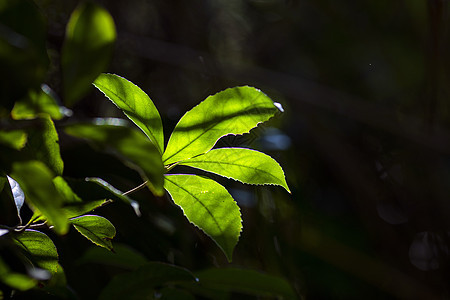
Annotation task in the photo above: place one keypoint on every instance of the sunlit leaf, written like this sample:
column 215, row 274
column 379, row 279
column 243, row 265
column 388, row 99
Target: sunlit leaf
column 140, row 284
column 36, row 103
column 244, row 165
column 232, row 111
column 15, row 139
column 36, row 181
column 87, row 50
column 209, row 206
column 39, row 248
column 43, row 144
column 246, row 281
column 17, row 193
column 136, row 105
column 129, row 145
column 97, row 229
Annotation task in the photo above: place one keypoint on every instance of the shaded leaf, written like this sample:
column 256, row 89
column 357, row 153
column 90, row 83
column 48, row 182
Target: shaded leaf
column 209, row 206
column 140, row 284
column 128, row 144
column 15, row 280
column 37, row 102
column 39, row 248
column 244, row 165
column 232, row 111
column 23, row 52
column 87, row 49
column 245, row 281
column 43, row 144
column 36, row 181
column 123, row 256
column 136, row 105
column 97, row 229
column 15, row 139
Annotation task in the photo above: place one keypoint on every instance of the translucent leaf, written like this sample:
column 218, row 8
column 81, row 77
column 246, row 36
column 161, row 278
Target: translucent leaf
column 97, row 229
column 244, row 165
column 136, row 105
column 87, row 49
column 209, row 206
column 18, row 195
column 36, row 181
column 39, row 248
column 43, row 144
column 232, row 111
column 36, row 103
column 246, row 281
column 140, row 284
column 129, row 145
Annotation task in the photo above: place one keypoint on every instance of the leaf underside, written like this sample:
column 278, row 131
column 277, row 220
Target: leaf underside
column 209, row 206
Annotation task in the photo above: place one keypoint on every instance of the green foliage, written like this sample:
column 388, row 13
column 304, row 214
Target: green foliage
column 96, row 229
column 233, row 111
column 209, row 206
column 135, row 104
column 88, row 46
column 37, row 194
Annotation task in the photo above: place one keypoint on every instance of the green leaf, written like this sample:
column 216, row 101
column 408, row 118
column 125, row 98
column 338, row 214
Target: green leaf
column 15, row 139
column 36, row 181
column 15, row 280
column 209, row 206
column 136, row 105
column 87, row 49
column 43, row 144
column 23, row 53
column 129, row 145
column 246, row 281
column 232, row 111
column 140, row 284
column 97, row 229
column 38, row 102
column 244, row 165
column 39, row 248
column 123, row 257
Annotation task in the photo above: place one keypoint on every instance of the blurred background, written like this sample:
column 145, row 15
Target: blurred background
column 364, row 138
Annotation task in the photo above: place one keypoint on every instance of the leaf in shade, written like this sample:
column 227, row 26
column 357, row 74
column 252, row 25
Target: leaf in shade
column 130, row 145
column 232, row 111
column 36, row 103
column 123, row 257
column 136, row 105
column 246, row 281
column 209, row 206
column 43, row 144
column 245, row 165
column 36, row 181
column 15, row 280
column 87, row 49
column 97, row 229
column 15, row 139
column 39, row 248
column 141, row 283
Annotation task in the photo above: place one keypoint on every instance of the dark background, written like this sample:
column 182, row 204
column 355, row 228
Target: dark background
column 364, row 139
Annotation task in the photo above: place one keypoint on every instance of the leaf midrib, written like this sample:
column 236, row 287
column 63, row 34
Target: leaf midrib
column 198, row 200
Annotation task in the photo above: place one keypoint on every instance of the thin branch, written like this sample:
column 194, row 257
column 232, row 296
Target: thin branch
column 139, row 187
